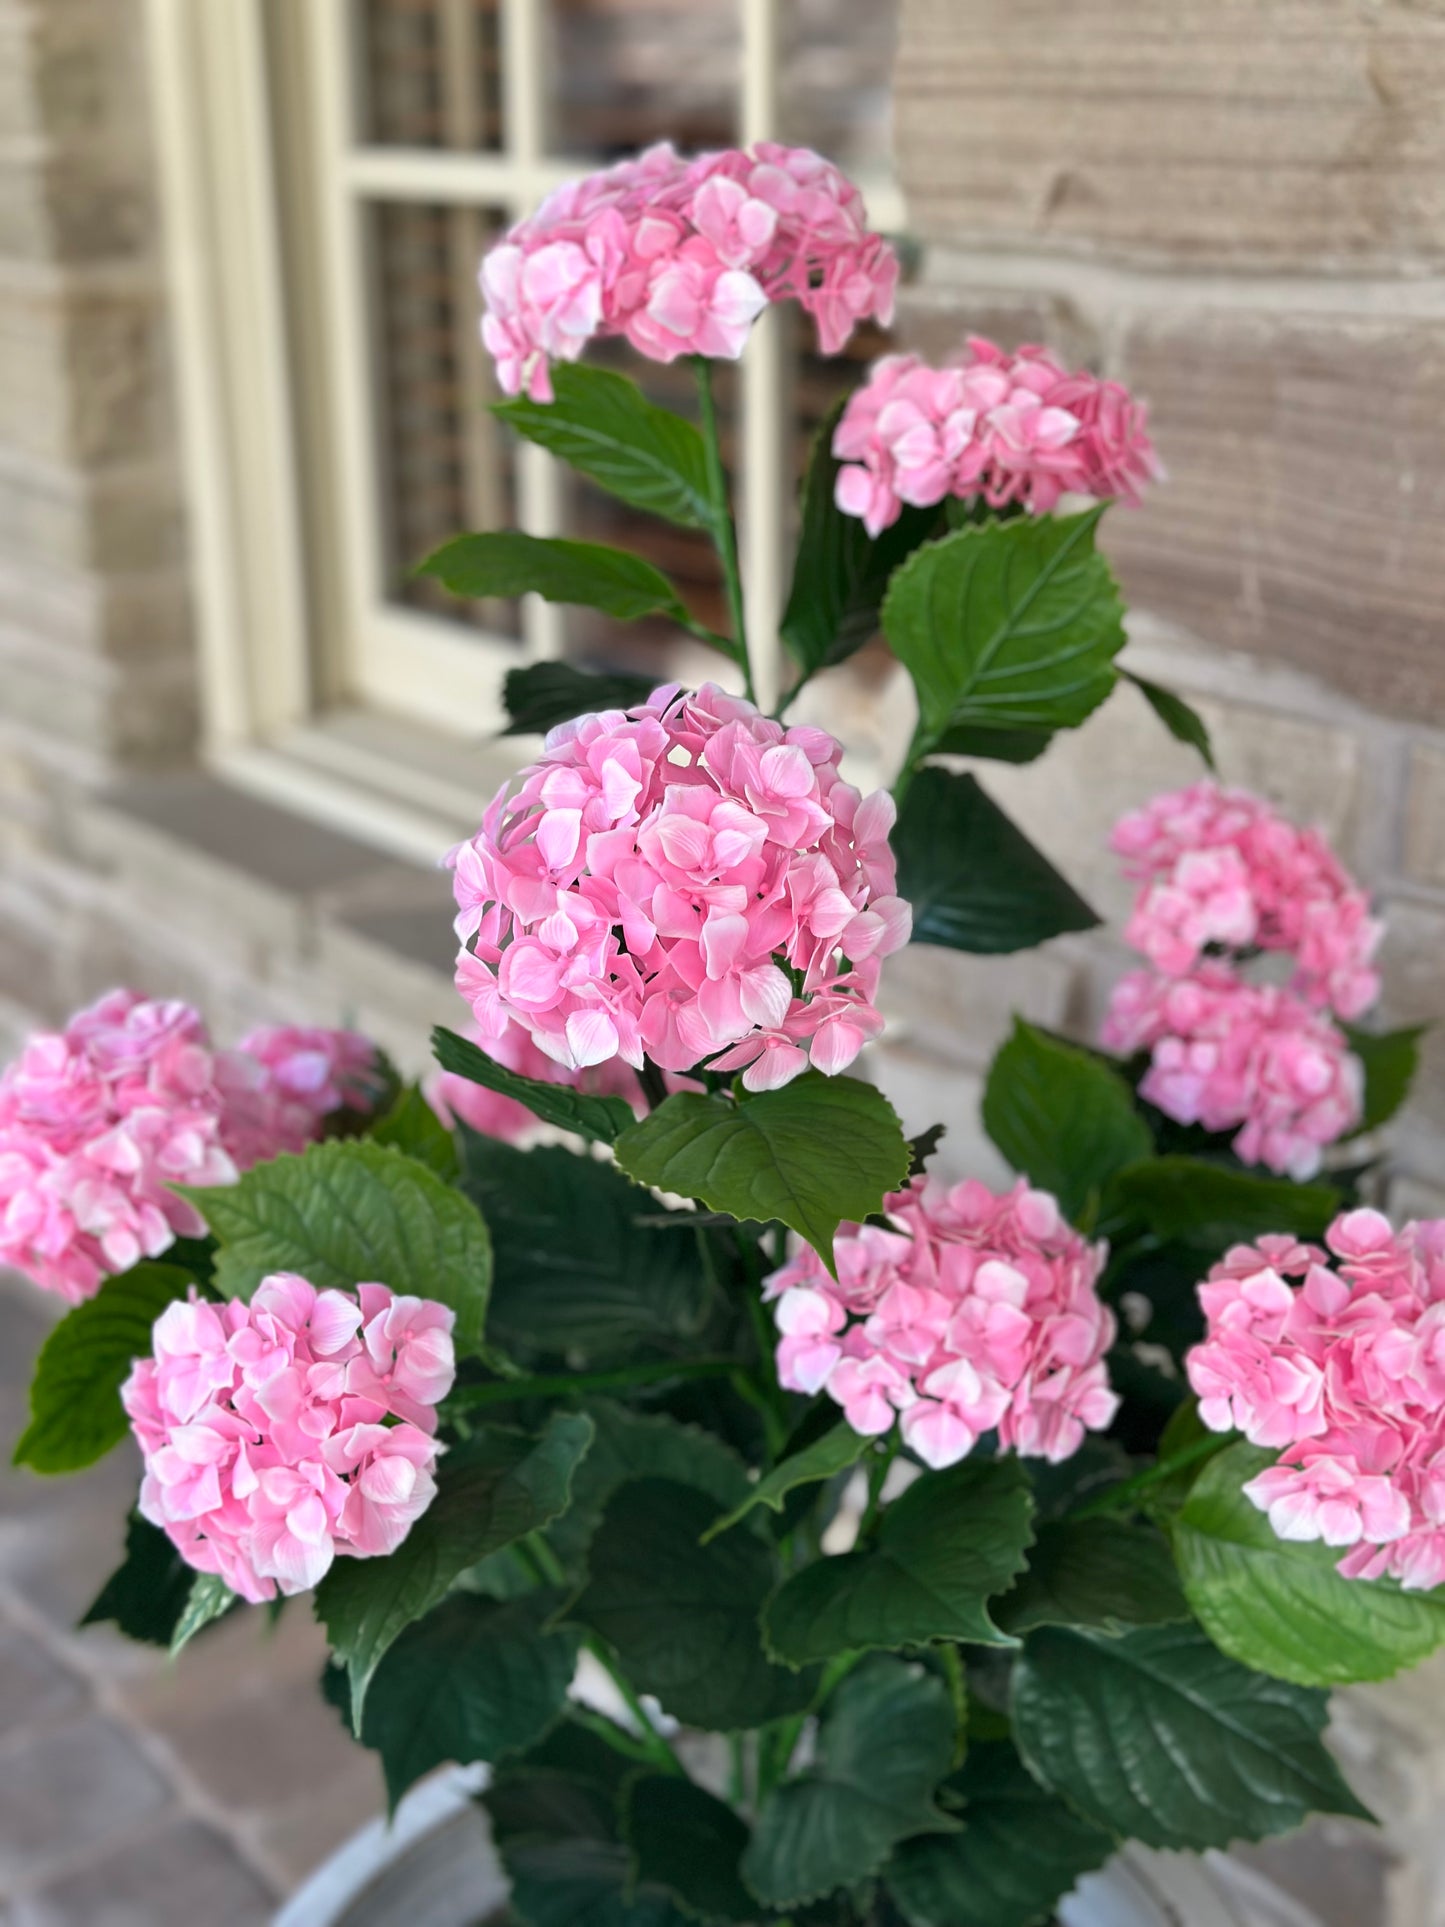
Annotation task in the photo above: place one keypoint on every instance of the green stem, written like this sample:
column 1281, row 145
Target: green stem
column 952, row 1662
column 1121, row 1497
column 724, row 533
column 879, row 1466
column 569, row 1384
column 654, row 1085
column 658, row 1750
column 617, row 1737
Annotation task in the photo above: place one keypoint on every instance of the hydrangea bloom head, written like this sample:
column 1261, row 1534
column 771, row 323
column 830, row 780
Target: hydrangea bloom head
column 1012, row 428
column 680, row 257
column 1336, row 1360
column 685, row 880
column 1236, row 1056
column 1222, row 868
column 969, row 1313
column 99, row 1120
column 279, row 1433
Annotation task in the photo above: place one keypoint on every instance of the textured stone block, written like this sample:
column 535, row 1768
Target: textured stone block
column 1287, row 133
column 925, row 1093
column 962, row 1007
column 76, row 1785
column 83, row 373
column 1297, row 523
column 179, row 1876
column 1424, row 853
column 34, row 1687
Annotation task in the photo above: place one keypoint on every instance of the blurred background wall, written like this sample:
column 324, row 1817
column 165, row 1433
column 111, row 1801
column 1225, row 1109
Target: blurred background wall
column 241, row 395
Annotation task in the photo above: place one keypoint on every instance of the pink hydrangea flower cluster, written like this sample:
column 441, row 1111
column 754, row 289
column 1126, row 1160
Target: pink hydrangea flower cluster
column 1221, row 868
column 685, row 880
column 458, row 1100
column 99, row 1120
column 1012, row 428
column 1237, row 1056
column 680, row 257
column 971, row 1312
column 279, row 1433
column 1222, row 876
column 1340, row 1367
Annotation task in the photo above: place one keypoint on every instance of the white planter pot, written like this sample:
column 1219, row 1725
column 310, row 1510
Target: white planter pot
column 434, row 1867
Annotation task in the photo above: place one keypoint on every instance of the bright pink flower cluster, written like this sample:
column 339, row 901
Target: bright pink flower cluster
column 971, row 1312
column 680, row 257
column 282, row 1432
column 458, row 1100
column 685, row 880
column 1220, row 871
column 1007, row 427
column 1341, row 1369
column 1237, row 1056
column 1219, row 867
column 99, row 1120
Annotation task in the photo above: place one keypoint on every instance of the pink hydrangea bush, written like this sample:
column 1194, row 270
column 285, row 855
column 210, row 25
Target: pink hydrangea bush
column 1229, row 1055
column 1220, row 867
column 970, row 1313
column 282, row 1433
column 679, row 256
column 687, row 881
column 1011, row 428
column 1222, row 876
column 100, row 1120
column 1336, row 1360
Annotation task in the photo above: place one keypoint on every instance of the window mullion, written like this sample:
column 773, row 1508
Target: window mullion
column 764, row 464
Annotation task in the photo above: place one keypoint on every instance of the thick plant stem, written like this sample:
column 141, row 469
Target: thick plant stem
column 724, row 532
column 654, row 1084
column 565, row 1384
column 1121, row 1497
column 658, row 1750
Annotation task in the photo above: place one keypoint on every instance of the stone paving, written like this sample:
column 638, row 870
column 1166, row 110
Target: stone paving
column 136, row 1791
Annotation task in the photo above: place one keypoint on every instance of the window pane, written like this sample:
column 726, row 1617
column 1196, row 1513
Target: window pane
column 625, row 73
column 445, row 462
column 429, row 75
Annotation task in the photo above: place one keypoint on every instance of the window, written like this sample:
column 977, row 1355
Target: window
column 334, row 172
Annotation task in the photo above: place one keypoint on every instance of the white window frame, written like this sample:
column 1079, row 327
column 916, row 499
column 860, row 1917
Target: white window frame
column 289, row 630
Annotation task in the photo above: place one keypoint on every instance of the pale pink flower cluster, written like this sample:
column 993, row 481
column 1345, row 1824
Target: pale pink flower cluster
column 1222, row 876
column 1340, row 1367
column 99, row 1120
column 685, row 880
column 1236, row 1056
column 279, row 1433
column 1221, row 868
column 1012, row 428
column 458, row 1100
column 680, row 257
column 970, row 1313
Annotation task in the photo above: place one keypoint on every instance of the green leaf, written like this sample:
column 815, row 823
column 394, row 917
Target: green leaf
column 1061, row 1116
column 631, row 1445
column 599, row 1118
column 1102, row 1575
column 474, row 1680
column 491, row 1491
column 149, row 1591
column 1184, row 724
column 973, row 878
column 922, row 1147
column 687, row 1844
column 840, row 572
column 547, row 693
column 824, row 1459
column 1280, row 1606
column 1020, row 1851
column 759, row 1158
column 413, row 1127
column 506, row 563
column 999, row 745
column 952, row 1540
column 885, row 1742
column 576, row 1273
column 349, row 1213
column 683, row 1618
column 602, row 424
column 1009, row 625
column 1160, row 1737
column 75, row 1409
column 1391, row 1059
column 555, row 1821
column 1211, row 1206
column 210, row 1597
